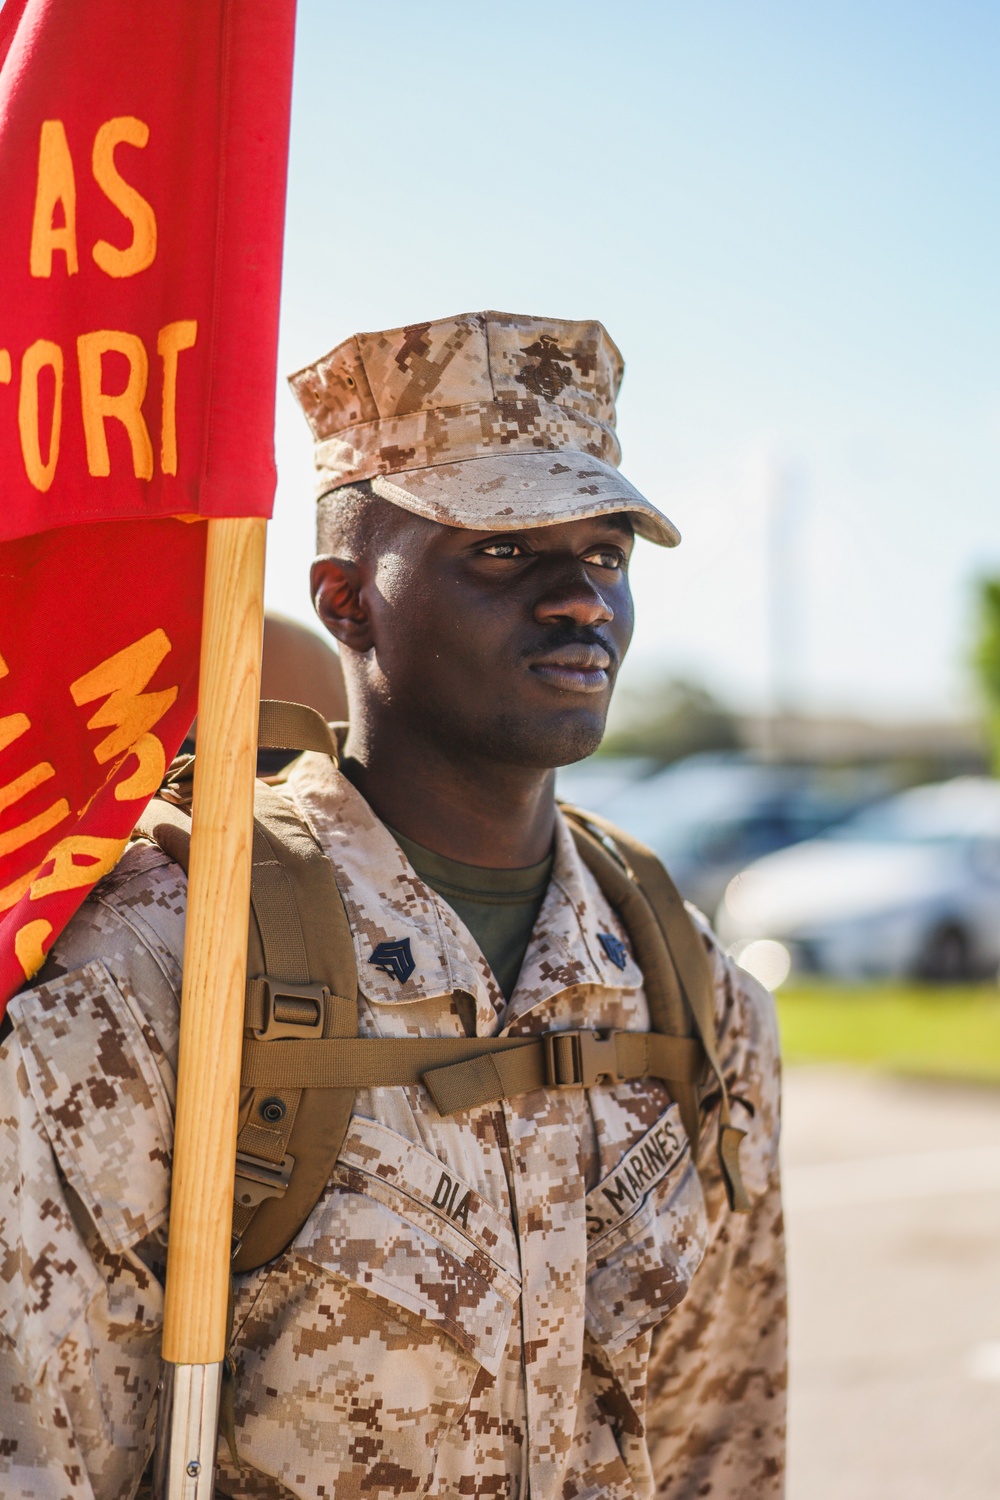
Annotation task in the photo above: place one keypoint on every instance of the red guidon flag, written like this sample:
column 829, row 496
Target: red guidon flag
column 143, row 153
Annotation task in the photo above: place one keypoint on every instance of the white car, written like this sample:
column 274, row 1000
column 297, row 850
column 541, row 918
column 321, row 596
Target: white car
column 709, row 815
column 909, row 887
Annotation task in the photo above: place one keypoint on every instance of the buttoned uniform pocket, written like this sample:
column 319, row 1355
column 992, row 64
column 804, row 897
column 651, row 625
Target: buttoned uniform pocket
column 83, row 1201
column 647, row 1232
column 362, row 1344
column 107, row 1120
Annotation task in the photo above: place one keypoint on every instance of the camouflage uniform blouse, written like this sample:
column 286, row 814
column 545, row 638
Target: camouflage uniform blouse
column 539, row 1297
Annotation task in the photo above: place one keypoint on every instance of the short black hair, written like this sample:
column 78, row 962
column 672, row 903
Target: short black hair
column 349, row 520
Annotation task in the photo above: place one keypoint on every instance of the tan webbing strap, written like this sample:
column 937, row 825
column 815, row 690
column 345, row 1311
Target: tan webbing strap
column 303, row 983
column 303, row 986
column 668, row 1011
column 463, row 1072
column 277, row 913
column 293, row 726
column 169, row 827
column 664, row 994
column 562, row 1060
column 263, row 1158
column 648, row 876
column 266, row 1124
column 363, row 1062
column 485, row 1079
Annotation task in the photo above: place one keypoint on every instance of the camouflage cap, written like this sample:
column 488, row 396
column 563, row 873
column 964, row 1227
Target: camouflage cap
column 487, row 420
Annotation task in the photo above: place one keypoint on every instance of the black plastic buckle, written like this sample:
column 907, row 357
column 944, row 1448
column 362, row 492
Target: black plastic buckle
column 291, row 1010
column 579, row 1059
column 257, row 1179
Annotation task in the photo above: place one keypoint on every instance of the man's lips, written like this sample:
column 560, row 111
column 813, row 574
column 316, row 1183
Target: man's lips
column 576, row 669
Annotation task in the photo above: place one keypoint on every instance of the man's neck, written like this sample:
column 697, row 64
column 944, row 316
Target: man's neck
column 492, row 814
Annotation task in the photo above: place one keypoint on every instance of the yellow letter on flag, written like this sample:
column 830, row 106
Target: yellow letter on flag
column 56, row 185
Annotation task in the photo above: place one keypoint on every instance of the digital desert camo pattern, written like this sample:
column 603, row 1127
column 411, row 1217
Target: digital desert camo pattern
column 470, row 1309
column 488, row 420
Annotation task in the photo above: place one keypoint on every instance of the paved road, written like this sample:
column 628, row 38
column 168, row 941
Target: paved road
column 893, row 1204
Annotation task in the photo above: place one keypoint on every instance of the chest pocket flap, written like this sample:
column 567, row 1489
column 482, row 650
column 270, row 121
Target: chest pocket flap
column 646, row 1232
column 398, row 1223
column 101, row 1098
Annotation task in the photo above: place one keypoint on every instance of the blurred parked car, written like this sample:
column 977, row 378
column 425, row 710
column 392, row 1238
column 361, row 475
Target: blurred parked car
column 709, row 815
column 595, row 782
column 909, row 887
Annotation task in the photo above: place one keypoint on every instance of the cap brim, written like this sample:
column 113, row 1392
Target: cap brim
column 504, row 493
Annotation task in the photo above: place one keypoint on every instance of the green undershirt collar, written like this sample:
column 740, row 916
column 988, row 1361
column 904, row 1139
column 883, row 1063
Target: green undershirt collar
column 499, row 907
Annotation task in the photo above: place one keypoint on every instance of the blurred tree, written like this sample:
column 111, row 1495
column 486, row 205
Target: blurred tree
column 669, row 720
column 987, row 661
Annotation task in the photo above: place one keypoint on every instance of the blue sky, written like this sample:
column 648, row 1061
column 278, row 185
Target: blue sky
column 787, row 217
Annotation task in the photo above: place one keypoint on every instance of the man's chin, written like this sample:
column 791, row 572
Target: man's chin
column 546, row 742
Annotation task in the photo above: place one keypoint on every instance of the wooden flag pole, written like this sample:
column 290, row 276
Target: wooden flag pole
column 211, row 1031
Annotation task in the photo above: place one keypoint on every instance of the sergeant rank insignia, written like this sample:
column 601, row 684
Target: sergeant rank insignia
column 395, row 959
column 614, row 948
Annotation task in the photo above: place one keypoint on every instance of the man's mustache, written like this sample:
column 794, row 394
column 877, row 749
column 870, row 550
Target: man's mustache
column 557, row 637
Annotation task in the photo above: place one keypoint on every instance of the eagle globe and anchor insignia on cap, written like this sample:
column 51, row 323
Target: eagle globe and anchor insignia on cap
column 394, row 958
column 545, row 378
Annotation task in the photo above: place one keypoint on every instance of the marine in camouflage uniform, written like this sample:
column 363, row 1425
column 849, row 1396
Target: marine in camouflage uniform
column 544, row 1296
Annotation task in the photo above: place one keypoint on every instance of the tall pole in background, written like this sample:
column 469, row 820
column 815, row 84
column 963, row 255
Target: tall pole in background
column 783, row 565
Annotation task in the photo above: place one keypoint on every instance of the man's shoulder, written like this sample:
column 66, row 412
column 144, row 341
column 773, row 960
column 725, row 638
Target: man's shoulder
column 115, row 969
column 736, row 990
column 133, row 918
column 94, row 1045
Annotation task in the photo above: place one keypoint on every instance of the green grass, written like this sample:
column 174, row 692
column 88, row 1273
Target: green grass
column 934, row 1032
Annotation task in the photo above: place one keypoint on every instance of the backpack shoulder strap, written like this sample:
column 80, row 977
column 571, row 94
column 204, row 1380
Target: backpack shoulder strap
column 669, row 950
column 301, row 983
column 293, row 726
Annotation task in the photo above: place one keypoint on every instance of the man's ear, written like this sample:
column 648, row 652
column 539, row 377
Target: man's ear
column 336, row 592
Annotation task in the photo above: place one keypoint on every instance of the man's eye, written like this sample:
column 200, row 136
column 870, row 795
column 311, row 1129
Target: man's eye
column 502, row 549
column 606, row 557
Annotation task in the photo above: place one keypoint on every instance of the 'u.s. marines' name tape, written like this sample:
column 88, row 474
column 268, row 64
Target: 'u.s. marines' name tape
column 648, row 1162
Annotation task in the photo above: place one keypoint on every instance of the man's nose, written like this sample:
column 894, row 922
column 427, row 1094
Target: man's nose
column 573, row 596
